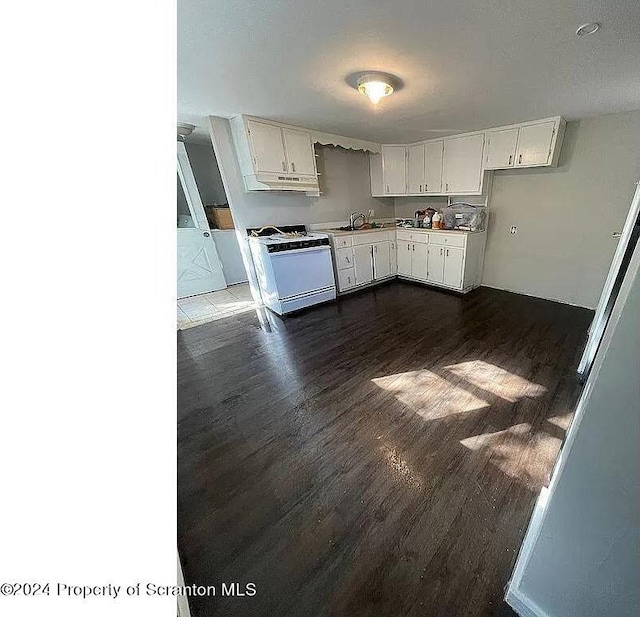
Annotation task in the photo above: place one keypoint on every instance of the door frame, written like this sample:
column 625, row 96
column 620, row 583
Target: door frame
column 190, row 188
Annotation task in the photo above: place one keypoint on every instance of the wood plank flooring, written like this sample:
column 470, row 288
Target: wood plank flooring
column 378, row 456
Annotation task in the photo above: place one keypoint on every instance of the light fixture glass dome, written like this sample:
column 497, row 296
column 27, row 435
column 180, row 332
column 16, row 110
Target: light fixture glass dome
column 375, row 86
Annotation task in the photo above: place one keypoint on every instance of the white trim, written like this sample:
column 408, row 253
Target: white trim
column 524, row 606
column 529, row 295
column 190, row 187
column 598, row 324
column 541, row 508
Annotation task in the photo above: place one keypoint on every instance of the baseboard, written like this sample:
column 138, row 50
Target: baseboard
column 522, row 605
column 522, row 293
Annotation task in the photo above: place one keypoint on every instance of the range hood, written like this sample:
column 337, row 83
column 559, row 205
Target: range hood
column 281, row 182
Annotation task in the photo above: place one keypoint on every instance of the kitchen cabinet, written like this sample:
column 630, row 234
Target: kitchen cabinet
column 268, row 147
column 299, row 152
column 273, row 156
column 381, row 260
column 393, row 257
column 415, row 169
column 424, row 168
column 435, row 264
column 529, row 144
column 453, row 267
column 501, row 148
column 433, row 167
column 346, row 279
column 394, row 170
column 534, row 144
column 462, row 164
column 363, row 263
column 412, row 259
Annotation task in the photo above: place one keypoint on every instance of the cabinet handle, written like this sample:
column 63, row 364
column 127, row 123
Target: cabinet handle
column 376, row 248
column 447, row 252
column 447, row 187
column 510, row 158
column 293, row 167
column 414, row 247
column 420, row 191
column 425, row 188
column 347, row 258
column 520, row 160
column 440, row 251
column 284, row 166
column 387, row 186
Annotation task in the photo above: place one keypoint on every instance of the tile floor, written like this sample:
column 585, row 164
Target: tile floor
column 197, row 310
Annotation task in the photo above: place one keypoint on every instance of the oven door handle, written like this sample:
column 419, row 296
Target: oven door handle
column 309, row 249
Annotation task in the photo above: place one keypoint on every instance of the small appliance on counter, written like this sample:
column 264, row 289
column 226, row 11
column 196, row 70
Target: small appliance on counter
column 465, row 217
column 294, row 267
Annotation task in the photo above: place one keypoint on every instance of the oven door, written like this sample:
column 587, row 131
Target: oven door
column 302, row 271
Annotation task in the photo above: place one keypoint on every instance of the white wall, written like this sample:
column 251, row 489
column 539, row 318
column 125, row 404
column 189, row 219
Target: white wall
column 585, row 561
column 346, row 187
column 406, row 206
column 565, row 215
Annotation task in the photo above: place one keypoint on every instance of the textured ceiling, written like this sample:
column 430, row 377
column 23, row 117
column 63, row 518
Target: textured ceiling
column 465, row 64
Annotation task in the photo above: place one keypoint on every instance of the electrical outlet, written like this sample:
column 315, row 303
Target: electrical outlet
column 372, row 214
column 514, row 229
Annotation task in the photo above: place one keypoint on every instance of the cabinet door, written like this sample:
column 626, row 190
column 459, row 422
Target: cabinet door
column 419, row 260
column 363, row 263
column 435, row 263
column 300, row 153
column 344, row 258
column 534, row 144
column 393, row 257
column 381, row 260
column 394, row 172
column 501, row 149
column 453, row 262
column 415, row 169
column 267, row 147
column 462, row 164
column 404, row 257
column 346, row 279
column 433, row 166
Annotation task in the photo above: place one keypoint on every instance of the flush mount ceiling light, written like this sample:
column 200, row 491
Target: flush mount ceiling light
column 375, row 86
column 586, row 29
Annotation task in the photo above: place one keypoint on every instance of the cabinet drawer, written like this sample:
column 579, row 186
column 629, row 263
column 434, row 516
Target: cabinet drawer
column 346, row 279
column 448, row 240
column 370, row 238
column 414, row 236
column 344, row 258
column 342, row 241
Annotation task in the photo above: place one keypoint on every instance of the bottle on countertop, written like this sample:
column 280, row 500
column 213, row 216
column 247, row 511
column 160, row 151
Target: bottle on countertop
column 436, row 221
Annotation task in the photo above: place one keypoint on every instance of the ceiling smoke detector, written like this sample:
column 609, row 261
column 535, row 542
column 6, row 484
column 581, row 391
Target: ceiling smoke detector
column 586, row 29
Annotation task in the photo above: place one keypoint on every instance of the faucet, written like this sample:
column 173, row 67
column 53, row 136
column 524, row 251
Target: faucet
column 353, row 217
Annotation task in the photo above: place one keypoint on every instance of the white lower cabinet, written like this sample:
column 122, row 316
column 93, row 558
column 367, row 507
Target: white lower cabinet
column 363, row 262
column 412, row 259
column 435, row 264
column 404, row 257
column 453, row 267
column 393, row 257
column 346, row 279
column 381, row 260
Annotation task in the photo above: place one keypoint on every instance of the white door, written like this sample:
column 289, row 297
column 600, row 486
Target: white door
column 393, row 258
column 267, row 147
column 433, row 166
column 199, row 269
column 534, row 144
column 394, row 170
column 435, row 264
column 463, row 163
column 453, row 262
column 419, row 260
column 404, row 257
column 381, row 260
column 300, row 153
column 363, row 263
column 415, row 169
column 501, row 149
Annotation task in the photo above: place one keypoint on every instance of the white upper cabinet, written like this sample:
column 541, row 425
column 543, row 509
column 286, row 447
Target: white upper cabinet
column 415, row 169
column 501, row 148
column 535, row 144
column 394, row 170
column 462, row 164
column 299, row 151
column 267, row 147
column 433, row 166
column 274, row 157
column 530, row 144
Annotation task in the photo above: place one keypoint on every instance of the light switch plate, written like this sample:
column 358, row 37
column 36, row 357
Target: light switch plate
column 514, row 229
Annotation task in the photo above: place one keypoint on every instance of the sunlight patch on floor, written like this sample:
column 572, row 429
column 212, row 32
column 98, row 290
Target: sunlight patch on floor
column 518, row 452
column 496, row 380
column 563, row 421
column 400, row 467
column 429, row 395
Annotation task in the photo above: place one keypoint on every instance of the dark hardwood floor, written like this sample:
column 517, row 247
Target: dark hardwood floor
column 378, row 456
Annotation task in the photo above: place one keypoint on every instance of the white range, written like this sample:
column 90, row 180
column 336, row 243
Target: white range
column 294, row 268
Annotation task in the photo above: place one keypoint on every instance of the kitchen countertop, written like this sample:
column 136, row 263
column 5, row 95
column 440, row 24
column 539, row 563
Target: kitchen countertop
column 340, row 232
